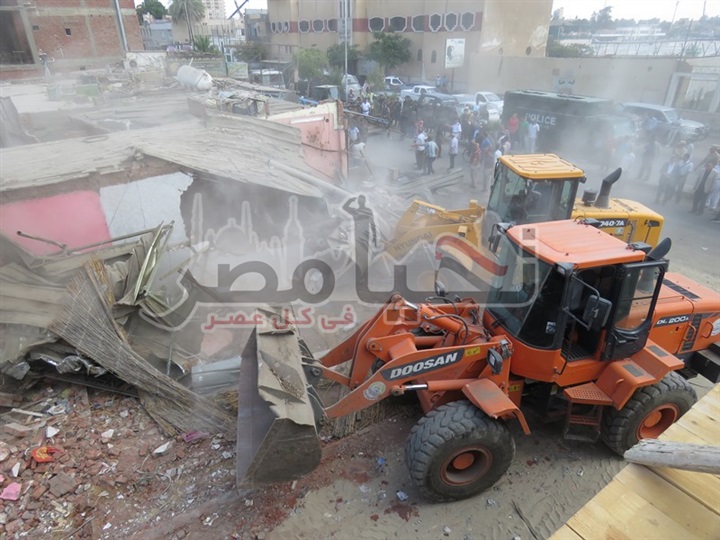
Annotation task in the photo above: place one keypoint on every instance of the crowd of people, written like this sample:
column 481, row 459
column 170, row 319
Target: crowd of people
column 432, row 128
column 677, row 169
column 482, row 146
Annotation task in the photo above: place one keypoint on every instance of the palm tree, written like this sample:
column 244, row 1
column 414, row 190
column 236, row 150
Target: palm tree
column 187, row 10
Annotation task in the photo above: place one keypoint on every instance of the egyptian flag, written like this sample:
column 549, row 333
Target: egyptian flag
column 474, row 264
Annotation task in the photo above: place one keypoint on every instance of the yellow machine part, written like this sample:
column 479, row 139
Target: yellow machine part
column 541, row 166
column 423, row 221
column 627, row 220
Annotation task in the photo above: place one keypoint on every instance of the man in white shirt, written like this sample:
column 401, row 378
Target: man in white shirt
column 365, row 107
column 533, row 130
column 419, row 145
column 456, row 128
column 431, row 152
column 454, row 144
column 353, row 135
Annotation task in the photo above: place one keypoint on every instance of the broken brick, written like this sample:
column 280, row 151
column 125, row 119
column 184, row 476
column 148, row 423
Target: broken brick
column 18, row 430
column 39, row 491
column 61, row 484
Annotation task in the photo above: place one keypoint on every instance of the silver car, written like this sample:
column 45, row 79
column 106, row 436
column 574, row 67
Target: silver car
column 670, row 128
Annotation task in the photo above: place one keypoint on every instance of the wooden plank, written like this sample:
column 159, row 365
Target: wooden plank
column 703, row 487
column 698, row 520
column 565, row 533
column 619, row 513
column 701, row 424
column 708, row 405
column 680, row 433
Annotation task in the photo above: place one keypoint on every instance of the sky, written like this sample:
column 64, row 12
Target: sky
column 640, row 9
column 621, row 9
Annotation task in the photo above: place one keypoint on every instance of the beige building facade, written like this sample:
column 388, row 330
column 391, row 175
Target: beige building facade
column 507, row 28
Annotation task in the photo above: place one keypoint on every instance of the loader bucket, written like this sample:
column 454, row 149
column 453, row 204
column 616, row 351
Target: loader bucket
column 277, row 439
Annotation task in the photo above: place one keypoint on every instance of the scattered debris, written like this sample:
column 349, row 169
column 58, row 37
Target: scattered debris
column 402, row 496
column 11, row 492
column 51, row 431
column 162, row 449
column 491, row 502
column 44, row 454
column 195, row 436
column 18, row 430
column 446, row 531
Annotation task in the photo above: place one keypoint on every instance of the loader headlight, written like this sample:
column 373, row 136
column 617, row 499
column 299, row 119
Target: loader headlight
column 495, row 360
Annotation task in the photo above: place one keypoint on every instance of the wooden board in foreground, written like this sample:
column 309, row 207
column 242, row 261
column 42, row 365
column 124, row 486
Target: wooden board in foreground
column 658, row 502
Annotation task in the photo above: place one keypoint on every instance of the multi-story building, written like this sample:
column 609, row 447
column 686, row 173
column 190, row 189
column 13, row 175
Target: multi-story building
column 73, row 33
column 510, row 28
column 214, row 9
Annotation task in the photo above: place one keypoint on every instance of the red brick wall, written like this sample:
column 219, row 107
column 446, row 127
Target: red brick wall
column 92, row 24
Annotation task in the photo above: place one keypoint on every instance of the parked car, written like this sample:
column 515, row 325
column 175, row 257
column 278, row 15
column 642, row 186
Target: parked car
column 418, row 90
column 488, row 112
column 349, row 82
column 394, row 84
column 490, row 100
column 670, row 128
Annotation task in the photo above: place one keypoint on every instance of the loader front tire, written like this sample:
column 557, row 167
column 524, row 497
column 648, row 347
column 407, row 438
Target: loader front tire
column 456, row 451
column 650, row 411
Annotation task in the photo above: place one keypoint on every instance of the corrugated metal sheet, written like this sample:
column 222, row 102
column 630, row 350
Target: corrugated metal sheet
column 233, row 147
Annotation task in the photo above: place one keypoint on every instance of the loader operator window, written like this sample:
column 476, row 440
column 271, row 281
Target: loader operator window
column 511, row 300
column 522, row 200
column 636, row 297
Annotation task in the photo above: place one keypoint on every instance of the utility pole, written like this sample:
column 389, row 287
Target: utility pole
column 345, row 24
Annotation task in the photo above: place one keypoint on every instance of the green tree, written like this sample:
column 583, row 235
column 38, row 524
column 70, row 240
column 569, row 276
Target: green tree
column 390, row 49
column 153, row 7
column 203, row 44
column 252, row 51
column 336, row 55
column 602, row 18
column 183, row 10
column 561, row 50
column 311, row 63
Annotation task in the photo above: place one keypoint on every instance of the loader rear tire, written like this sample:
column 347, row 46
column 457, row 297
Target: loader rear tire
column 649, row 412
column 457, row 451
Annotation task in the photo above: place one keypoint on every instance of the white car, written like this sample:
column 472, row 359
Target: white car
column 393, row 83
column 492, row 101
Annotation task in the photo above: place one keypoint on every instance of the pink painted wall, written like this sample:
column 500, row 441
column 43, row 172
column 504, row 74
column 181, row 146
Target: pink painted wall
column 322, row 136
column 74, row 219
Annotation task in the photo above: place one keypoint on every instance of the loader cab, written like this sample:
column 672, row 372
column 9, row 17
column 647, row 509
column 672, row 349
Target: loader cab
column 532, row 189
column 571, row 294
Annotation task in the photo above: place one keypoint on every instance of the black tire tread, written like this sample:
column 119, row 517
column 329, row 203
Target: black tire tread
column 616, row 423
column 456, row 420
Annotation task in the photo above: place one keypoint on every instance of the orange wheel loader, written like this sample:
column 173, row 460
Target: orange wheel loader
column 580, row 326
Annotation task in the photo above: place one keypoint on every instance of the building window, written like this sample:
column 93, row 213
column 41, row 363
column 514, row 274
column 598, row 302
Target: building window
column 286, row 27
column 332, row 25
column 398, row 24
column 451, row 21
column 528, row 51
column 318, row 25
column 35, row 27
column 68, row 32
column 304, row 27
column 435, row 22
column 419, row 56
column 433, row 57
column 273, row 27
column 376, row 24
column 467, row 21
column 418, row 23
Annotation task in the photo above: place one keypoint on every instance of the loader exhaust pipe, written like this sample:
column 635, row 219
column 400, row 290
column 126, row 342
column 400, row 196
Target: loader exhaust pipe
column 603, row 198
column 277, row 438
